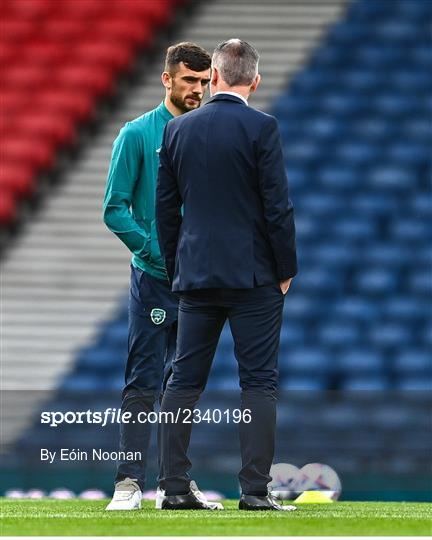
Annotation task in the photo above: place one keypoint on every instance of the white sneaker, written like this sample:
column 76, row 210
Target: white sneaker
column 127, row 496
column 160, row 496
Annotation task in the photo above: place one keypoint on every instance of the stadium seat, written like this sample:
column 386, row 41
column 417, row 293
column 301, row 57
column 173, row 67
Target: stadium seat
column 305, row 360
column 368, row 383
column 8, row 210
column 361, row 360
column 413, row 362
column 303, row 384
column 390, row 335
column 58, row 60
column 340, row 333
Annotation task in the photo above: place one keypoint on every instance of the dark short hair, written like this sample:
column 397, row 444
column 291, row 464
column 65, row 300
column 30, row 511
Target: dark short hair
column 192, row 55
column 237, row 62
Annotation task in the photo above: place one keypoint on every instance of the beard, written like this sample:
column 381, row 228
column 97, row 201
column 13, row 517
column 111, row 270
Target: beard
column 180, row 102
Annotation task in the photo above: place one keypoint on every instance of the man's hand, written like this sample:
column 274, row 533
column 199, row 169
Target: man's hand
column 285, row 285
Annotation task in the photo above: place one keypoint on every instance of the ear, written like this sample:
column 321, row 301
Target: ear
column 166, row 80
column 256, row 83
column 214, row 76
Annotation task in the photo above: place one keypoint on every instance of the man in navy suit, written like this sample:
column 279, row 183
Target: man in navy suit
column 226, row 231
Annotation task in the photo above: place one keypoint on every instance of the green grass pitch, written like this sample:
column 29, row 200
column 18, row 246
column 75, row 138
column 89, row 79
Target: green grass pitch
column 88, row 518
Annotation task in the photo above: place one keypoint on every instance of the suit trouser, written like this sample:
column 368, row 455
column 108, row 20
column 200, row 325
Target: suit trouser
column 151, row 349
column 255, row 318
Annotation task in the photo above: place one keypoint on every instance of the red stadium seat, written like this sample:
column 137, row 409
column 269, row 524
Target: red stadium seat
column 59, row 131
column 63, row 30
column 43, row 52
column 68, row 103
column 26, row 149
column 16, row 30
column 13, row 101
column 133, row 31
column 156, row 12
column 33, row 9
column 25, row 76
column 8, row 209
column 83, row 9
column 115, row 56
column 8, row 53
column 96, row 80
column 17, row 178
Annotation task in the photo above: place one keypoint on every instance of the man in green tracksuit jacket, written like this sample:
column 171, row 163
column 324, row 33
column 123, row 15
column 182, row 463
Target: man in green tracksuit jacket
column 129, row 212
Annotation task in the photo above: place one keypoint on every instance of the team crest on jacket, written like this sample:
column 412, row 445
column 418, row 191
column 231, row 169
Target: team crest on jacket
column 158, row 315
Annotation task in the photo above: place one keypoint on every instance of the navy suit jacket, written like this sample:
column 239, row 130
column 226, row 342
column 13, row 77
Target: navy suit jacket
column 223, row 214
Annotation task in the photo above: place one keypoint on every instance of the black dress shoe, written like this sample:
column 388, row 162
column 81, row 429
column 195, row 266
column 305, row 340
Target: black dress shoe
column 185, row 502
column 266, row 502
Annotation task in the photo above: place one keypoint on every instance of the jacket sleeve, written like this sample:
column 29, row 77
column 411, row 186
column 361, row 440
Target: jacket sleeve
column 168, row 207
column 278, row 209
column 123, row 174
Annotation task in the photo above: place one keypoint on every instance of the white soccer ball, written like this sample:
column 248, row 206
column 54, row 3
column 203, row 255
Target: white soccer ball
column 319, row 477
column 284, row 478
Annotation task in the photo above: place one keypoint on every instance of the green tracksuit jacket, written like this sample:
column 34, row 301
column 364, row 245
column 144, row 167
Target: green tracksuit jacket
column 129, row 203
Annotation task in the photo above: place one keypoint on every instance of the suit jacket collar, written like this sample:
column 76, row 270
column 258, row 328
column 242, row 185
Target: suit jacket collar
column 226, row 97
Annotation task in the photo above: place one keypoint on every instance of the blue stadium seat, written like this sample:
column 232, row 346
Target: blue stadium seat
column 346, row 33
column 356, row 308
column 392, row 177
column 298, row 177
column 402, row 31
column 307, row 384
column 305, row 360
column 339, row 333
column 412, row 230
column 334, row 256
column 376, row 281
column 339, row 177
column 313, row 81
column 292, row 334
column 318, row 281
column 395, row 335
column 394, row 104
column 409, row 153
column 372, row 128
column 413, row 362
column 387, row 256
column 415, row 384
column 421, row 282
column 406, row 308
column 361, row 361
column 323, row 127
column 301, row 151
column 299, row 306
column 320, row 203
column 306, row 227
column 412, row 80
column 362, row 79
column 223, row 383
column 421, row 55
column 340, row 102
column 83, row 382
column 421, row 205
column 370, row 383
column 379, row 56
column 100, row 359
column 374, row 204
column 355, row 228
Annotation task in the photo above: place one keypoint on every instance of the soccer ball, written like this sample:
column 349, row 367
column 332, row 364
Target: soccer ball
column 284, row 478
column 318, row 477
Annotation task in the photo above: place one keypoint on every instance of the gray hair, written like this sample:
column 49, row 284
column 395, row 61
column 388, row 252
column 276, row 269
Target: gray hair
column 236, row 61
